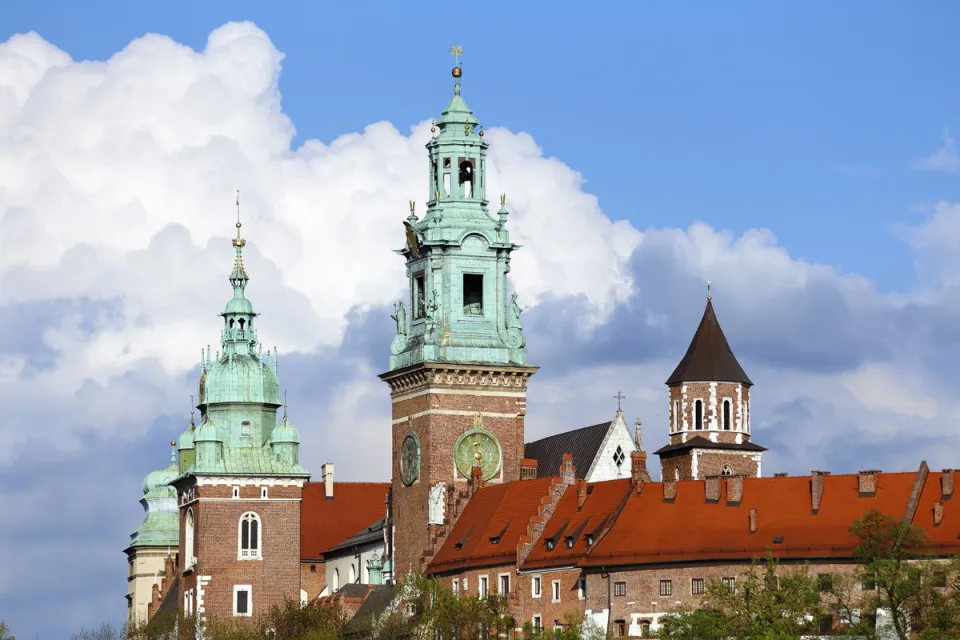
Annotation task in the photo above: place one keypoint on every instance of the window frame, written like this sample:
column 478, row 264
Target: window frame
column 620, row 589
column 581, row 588
column 536, row 586
column 666, row 587
column 698, row 586
column 537, row 621
column 251, row 553
column 698, row 416
column 483, row 586
column 189, row 543
column 555, row 591
column 237, row 588
column 463, row 293
column 729, row 582
column 500, row 578
column 726, row 415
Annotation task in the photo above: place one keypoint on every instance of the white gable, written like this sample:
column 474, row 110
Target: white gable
column 604, row 465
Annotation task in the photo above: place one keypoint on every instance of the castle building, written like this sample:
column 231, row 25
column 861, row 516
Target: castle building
column 571, row 523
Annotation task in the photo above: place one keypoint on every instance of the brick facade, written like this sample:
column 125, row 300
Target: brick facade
column 216, row 514
column 439, row 404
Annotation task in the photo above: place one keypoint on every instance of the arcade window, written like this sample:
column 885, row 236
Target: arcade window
column 619, row 588
column 472, row 294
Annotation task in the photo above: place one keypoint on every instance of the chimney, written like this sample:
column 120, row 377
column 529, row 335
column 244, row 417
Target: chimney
column 780, row 474
column 669, row 490
column 753, row 520
column 937, row 513
column 711, row 486
column 168, row 570
column 867, row 483
column 946, row 483
column 528, row 469
column 638, row 467
column 326, row 472
column 568, row 473
column 734, row 489
column 581, row 492
column 816, row 488
column 476, row 480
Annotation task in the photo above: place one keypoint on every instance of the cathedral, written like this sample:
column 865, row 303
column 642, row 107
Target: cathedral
column 571, row 523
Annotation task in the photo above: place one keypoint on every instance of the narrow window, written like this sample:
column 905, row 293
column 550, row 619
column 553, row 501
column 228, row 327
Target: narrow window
column 236, row 492
column 726, row 415
column 353, row 574
column 666, row 588
column 466, row 178
column 249, row 536
column 582, row 588
column 535, row 587
column 696, row 586
column 242, row 606
column 676, row 473
column 435, row 174
column 620, row 628
column 698, row 414
column 483, row 587
column 313, row 568
column 619, row 588
column 263, row 493
column 188, row 542
column 537, row 623
column 472, row 294
column 556, row 591
column 419, row 297
column 336, row 580
column 245, row 428
column 505, row 584
column 446, row 181
column 676, row 415
column 456, row 588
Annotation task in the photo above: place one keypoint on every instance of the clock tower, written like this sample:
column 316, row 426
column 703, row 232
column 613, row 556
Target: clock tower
column 458, row 365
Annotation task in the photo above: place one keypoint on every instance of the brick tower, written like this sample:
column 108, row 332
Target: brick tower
column 709, row 410
column 240, row 481
column 458, row 370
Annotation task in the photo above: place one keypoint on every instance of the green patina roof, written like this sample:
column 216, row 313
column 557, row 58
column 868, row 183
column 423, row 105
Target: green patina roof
column 161, row 526
column 247, row 461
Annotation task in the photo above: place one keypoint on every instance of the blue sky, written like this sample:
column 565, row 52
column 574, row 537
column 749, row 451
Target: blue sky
column 800, row 157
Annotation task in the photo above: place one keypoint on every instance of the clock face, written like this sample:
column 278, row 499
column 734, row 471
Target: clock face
column 410, row 459
column 478, row 448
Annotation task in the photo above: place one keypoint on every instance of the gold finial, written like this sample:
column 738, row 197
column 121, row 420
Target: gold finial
column 436, row 195
column 413, row 205
column 456, row 51
column 173, row 443
column 709, row 296
column 238, row 242
column 503, row 198
column 433, row 126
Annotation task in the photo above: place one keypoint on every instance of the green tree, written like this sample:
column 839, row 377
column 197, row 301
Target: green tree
column 5, row 631
column 765, row 603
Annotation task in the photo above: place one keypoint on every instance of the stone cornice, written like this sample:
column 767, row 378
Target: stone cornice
column 458, row 375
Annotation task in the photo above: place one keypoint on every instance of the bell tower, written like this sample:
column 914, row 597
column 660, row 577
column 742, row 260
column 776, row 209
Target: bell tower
column 458, row 365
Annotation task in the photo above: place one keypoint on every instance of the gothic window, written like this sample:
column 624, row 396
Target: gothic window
column 188, row 539
column 726, row 415
column 618, row 456
column 241, row 322
column 726, row 470
column 472, row 294
column 676, row 415
column 419, row 297
column 250, row 531
column 466, row 178
column 698, row 414
column 336, row 580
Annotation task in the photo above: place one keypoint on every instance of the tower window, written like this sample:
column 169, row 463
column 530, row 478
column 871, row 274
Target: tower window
column 698, row 414
column 188, row 542
column 245, row 428
column 241, row 322
column 249, row 536
column 466, row 178
column 676, row 415
column 446, row 184
column 726, row 415
column 435, row 173
column 419, row 297
column 472, row 294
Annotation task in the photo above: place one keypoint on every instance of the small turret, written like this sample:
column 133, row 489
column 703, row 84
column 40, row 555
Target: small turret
column 285, row 441
column 186, row 446
column 209, row 444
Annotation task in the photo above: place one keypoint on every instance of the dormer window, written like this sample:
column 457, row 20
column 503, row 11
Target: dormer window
column 466, row 178
column 472, row 294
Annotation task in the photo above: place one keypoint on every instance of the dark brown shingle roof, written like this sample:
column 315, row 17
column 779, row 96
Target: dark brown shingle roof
column 699, row 442
column 709, row 357
column 582, row 444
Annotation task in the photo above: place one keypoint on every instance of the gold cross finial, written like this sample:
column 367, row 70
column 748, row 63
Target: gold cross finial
column 456, row 51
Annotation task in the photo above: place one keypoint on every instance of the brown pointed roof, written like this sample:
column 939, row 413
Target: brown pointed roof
column 709, row 358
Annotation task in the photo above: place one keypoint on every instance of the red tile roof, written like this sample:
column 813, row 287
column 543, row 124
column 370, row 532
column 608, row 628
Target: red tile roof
column 947, row 533
column 499, row 512
column 325, row 523
column 651, row 530
column 572, row 525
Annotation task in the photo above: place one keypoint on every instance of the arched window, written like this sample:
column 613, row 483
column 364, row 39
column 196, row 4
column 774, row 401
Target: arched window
column 726, row 470
column 466, row 179
column 676, row 415
column 353, row 574
column 726, row 415
column 188, row 540
column 698, row 414
column 336, row 580
column 250, row 536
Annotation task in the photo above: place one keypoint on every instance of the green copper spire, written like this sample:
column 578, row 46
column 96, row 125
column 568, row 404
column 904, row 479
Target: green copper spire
column 458, row 256
column 239, row 397
column 161, row 524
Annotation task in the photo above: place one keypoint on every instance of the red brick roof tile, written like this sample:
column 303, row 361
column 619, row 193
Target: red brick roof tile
column 325, row 523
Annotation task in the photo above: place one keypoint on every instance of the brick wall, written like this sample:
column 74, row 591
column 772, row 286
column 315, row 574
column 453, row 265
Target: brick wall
column 712, row 394
column 439, row 406
column 313, row 577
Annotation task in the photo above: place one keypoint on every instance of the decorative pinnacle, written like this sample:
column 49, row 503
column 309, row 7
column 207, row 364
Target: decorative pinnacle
column 238, row 277
column 709, row 296
column 639, row 438
column 191, row 411
column 456, row 51
column 503, row 199
column 413, row 215
column 173, row 452
column 284, row 405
